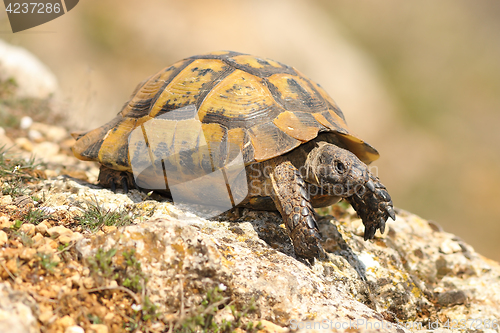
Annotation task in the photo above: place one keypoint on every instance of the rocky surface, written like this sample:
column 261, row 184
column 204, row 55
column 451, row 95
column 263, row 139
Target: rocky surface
column 75, row 258
column 410, row 278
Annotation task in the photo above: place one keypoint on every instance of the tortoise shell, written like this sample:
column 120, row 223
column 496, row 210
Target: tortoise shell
column 262, row 106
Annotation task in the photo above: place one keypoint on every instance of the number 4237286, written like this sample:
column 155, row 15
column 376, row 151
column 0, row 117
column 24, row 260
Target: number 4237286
column 33, row 7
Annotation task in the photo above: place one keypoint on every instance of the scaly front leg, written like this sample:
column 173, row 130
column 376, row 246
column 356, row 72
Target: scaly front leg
column 373, row 204
column 293, row 202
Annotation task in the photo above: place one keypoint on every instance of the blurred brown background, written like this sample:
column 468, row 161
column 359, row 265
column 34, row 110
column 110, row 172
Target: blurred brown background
column 419, row 81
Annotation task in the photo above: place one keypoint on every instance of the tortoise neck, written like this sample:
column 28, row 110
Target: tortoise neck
column 311, row 164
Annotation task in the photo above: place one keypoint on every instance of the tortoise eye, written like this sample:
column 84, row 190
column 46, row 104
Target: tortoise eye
column 340, row 167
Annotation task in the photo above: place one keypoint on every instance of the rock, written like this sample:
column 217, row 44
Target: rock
column 45, row 149
column 24, row 201
column 3, row 238
column 43, row 227
column 99, row 328
column 49, row 210
column 109, row 316
column 35, row 136
column 450, row 246
column 76, row 236
column 88, row 282
column 4, row 219
column 405, row 274
column 267, row 326
column 74, row 329
column 50, row 132
column 47, row 246
column 25, row 122
column 37, row 238
column 65, row 239
column 32, row 77
column 76, row 280
column 16, row 315
column 24, row 143
column 414, row 272
column 65, row 322
column 27, row 254
column 107, row 229
column 452, row 297
column 28, row 229
column 11, row 266
column 206, row 254
column 5, row 141
column 46, row 316
column 58, row 231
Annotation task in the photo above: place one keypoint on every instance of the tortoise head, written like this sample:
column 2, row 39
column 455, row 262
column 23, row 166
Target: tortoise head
column 342, row 174
column 336, row 170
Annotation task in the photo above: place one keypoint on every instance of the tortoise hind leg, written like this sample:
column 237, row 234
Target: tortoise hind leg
column 293, row 202
column 113, row 178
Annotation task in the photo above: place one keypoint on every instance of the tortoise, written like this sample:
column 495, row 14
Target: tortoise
column 291, row 137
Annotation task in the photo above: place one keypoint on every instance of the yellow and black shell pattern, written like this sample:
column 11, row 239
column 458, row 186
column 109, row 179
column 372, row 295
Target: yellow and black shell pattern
column 262, row 106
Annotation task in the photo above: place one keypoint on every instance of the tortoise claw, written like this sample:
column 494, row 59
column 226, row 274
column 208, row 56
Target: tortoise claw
column 381, row 224
column 384, row 195
column 125, row 185
column 113, row 186
column 370, row 185
column 391, row 213
column 370, row 232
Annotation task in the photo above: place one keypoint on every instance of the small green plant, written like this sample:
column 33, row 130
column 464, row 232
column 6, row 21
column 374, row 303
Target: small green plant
column 94, row 319
column 46, row 262
column 16, row 173
column 129, row 275
column 95, row 216
column 149, row 310
column 146, row 313
column 202, row 318
column 63, row 247
column 17, row 224
column 238, row 316
column 102, row 264
column 134, row 278
column 35, row 216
